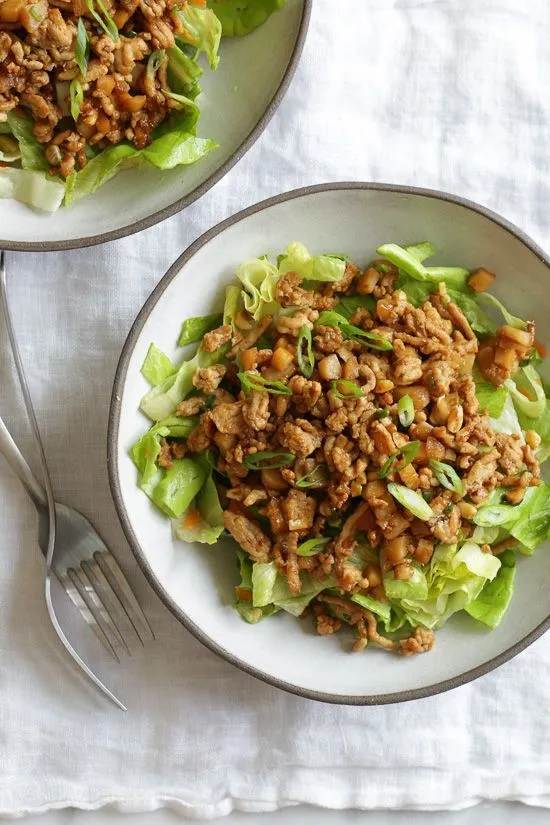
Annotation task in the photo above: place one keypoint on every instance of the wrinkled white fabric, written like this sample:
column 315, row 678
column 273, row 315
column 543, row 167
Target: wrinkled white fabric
column 440, row 93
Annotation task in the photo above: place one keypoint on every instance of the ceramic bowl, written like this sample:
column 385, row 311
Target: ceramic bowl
column 197, row 583
column 237, row 102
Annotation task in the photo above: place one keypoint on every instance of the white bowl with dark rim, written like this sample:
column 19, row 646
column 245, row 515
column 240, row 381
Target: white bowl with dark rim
column 196, row 582
column 237, row 102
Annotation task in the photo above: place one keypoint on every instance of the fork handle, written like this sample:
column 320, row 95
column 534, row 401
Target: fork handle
column 15, row 459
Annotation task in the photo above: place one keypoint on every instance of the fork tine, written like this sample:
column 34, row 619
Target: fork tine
column 109, row 598
column 74, row 594
column 96, row 608
column 118, row 582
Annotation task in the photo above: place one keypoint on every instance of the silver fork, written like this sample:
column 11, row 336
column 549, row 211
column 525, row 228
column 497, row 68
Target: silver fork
column 74, row 551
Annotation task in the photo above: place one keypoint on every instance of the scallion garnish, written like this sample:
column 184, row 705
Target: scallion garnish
column 346, row 389
column 103, row 19
column 77, row 97
column 82, row 48
column 253, row 381
column 306, row 361
column 405, row 410
column 311, row 478
column 447, row 476
column 268, row 460
column 312, row 546
column 368, row 339
column 412, row 501
column 404, row 456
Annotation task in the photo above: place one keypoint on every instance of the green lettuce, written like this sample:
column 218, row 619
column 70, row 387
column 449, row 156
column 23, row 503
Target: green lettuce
column 146, row 450
column 32, row 152
column 34, row 189
column 532, row 405
column 240, row 17
column 492, row 399
column 179, row 485
column 249, row 613
column 259, row 279
column 157, row 366
column 507, row 422
column 203, row 30
column 231, row 304
column 206, row 526
column 348, row 304
column 269, row 587
column 454, row 578
column 528, row 522
column 178, row 146
column 409, row 262
column 326, row 268
column 194, row 329
column 493, row 601
column 162, row 400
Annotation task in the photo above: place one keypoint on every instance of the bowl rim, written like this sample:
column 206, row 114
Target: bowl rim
column 182, row 203
column 113, row 433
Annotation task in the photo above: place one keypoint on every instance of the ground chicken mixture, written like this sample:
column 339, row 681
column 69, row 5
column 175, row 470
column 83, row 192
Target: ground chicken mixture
column 367, row 432
column 124, row 92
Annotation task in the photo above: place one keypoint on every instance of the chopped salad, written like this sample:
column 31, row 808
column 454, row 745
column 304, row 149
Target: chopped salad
column 371, row 438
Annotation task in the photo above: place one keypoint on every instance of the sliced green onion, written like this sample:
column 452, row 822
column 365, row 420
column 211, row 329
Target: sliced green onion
column 405, row 410
column 412, row 501
column 82, row 48
column 268, row 460
column 306, row 364
column 36, row 14
column 104, row 20
column 155, row 61
column 309, row 480
column 351, row 390
column 312, row 546
column 447, row 476
column 252, row 381
column 77, row 98
column 379, row 414
column 406, row 454
column 368, row 339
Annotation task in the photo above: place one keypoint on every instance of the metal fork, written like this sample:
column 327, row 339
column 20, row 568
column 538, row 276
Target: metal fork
column 74, row 551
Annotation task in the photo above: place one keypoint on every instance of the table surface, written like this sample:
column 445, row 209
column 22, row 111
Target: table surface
column 491, row 814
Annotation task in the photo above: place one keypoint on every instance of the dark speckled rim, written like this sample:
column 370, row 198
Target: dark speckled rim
column 112, row 452
column 199, row 191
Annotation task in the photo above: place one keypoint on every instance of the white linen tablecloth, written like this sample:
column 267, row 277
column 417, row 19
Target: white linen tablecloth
column 447, row 94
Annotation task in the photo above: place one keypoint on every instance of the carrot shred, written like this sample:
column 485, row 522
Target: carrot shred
column 540, row 348
column 192, row 519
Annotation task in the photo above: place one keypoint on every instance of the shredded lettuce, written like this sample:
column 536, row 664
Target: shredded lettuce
column 269, row 587
column 528, row 522
column 507, row 422
column 455, row 577
column 162, row 400
column 409, row 262
column 34, row 189
column 32, row 152
column 179, row 485
column 231, row 304
column 259, row 279
column 203, row 520
column 146, row 450
column 203, row 30
column 240, row 17
column 532, row 401
column 329, row 268
column 194, row 329
column 492, row 399
column 493, row 601
column 157, row 367
column 177, row 147
column 494, row 303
